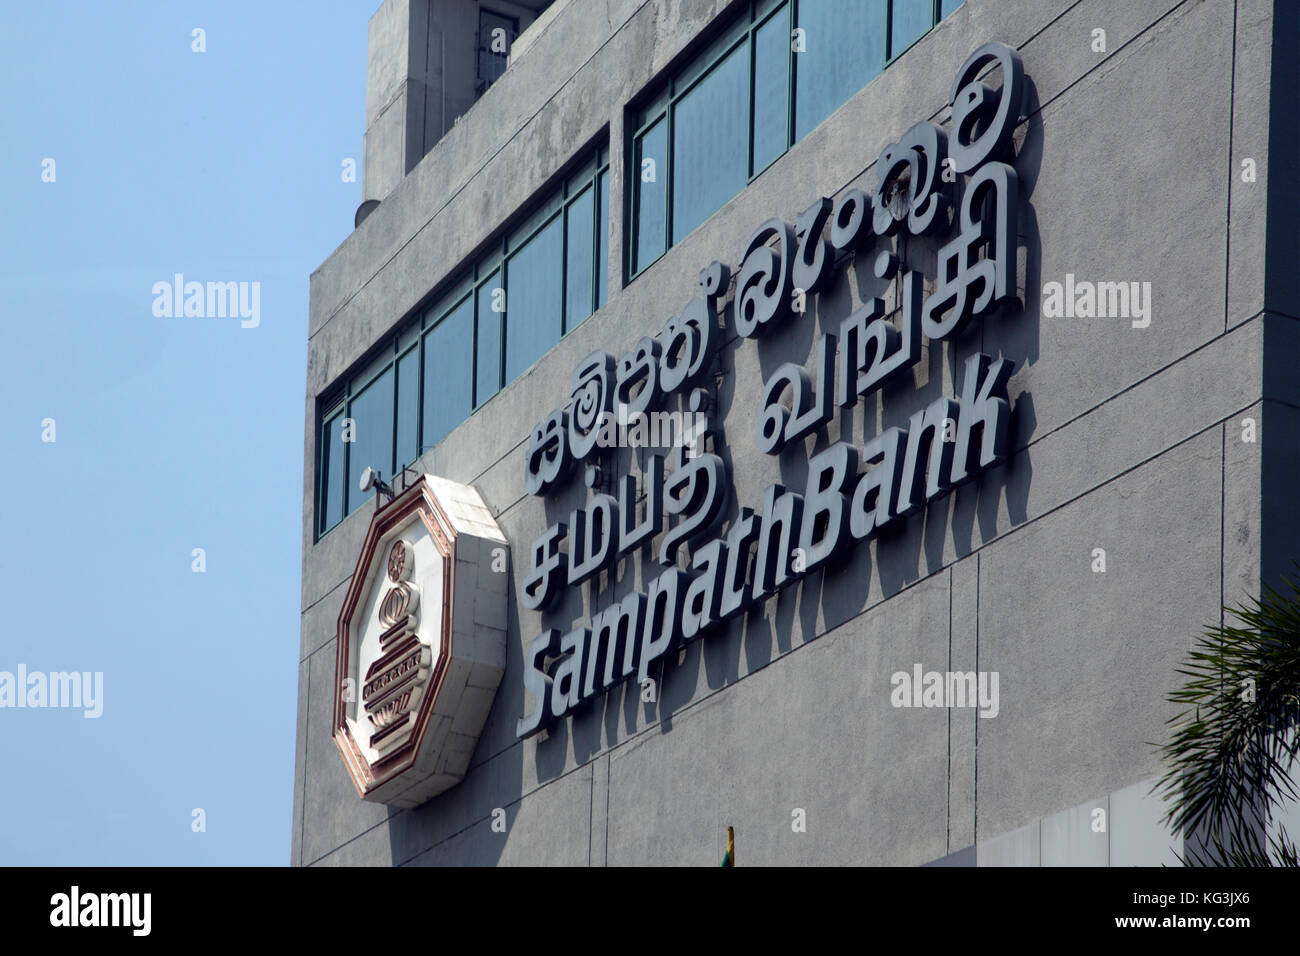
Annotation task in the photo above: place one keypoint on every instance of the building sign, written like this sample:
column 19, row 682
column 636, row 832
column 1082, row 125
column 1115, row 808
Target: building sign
column 960, row 187
column 421, row 643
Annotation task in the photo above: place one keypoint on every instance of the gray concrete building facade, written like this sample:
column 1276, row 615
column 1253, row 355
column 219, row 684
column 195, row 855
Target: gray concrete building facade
column 970, row 580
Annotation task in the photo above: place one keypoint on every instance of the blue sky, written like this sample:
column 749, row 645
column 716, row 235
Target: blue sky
column 170, row 433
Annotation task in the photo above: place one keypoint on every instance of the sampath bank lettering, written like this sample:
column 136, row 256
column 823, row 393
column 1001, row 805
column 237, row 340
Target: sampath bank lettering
column 960, row 187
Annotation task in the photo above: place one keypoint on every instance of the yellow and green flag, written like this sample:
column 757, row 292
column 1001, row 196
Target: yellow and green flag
column 729, row 858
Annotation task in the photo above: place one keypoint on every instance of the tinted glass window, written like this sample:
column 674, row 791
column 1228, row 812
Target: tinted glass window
column 844, row 46
column 371, row 412
column 332, row 473
column 771, row 104
column 408, row 408
column 448, row 373
column 580, row 236
column 534, row 303
column 709, row 143
column 550, row 264
column 766, row 78
column 487, row 344
column 602, row 240
column 911, row 19
column 651, row 192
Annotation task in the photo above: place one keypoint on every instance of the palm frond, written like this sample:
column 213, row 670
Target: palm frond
column 1232, row 745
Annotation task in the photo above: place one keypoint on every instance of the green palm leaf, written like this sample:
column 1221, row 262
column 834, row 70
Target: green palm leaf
column 1232, row 745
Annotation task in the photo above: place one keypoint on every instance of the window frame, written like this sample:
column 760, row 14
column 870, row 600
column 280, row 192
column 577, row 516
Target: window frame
column 496, row 269
column 665, row 111
column 588, row 167
column 936, row 12
column 448, row 304
column 662, row 98
column 592, row 183
column 337, row 406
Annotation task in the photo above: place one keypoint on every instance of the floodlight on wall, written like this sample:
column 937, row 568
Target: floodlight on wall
column 370, row 479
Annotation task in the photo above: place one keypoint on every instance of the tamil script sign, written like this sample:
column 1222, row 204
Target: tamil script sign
column 959, row 186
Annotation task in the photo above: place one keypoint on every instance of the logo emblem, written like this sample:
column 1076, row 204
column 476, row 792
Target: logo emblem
column 422, row 634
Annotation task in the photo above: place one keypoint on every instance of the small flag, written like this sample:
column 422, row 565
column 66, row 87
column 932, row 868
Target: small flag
column 729, row 858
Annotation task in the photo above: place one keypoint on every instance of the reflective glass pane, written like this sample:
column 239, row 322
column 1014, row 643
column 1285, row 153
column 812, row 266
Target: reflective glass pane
column 709, row 143
column 522, row 233
column 843, row 48
column 702, row 61
column 488, row 263
column 487, row 346
column 948, row 6
column 449, row 299
column 448, row 373
column 534, row 298
column 602, row 242
column 771, row 103
column 650, row 111
column 578, row 179
column 651, row 170
column 372, row 436
column 911, row 19
column 408, row 335
column 580, row 236
column 332, row 473
column 383, row 359
column 408, row 407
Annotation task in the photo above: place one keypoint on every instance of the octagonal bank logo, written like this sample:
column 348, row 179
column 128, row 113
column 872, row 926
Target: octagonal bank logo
column 421, row 643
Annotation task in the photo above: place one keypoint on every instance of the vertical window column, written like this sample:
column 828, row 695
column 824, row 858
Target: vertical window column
column 448, row 395
column 371, row 412
column 650, row 195
column 489, row 318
